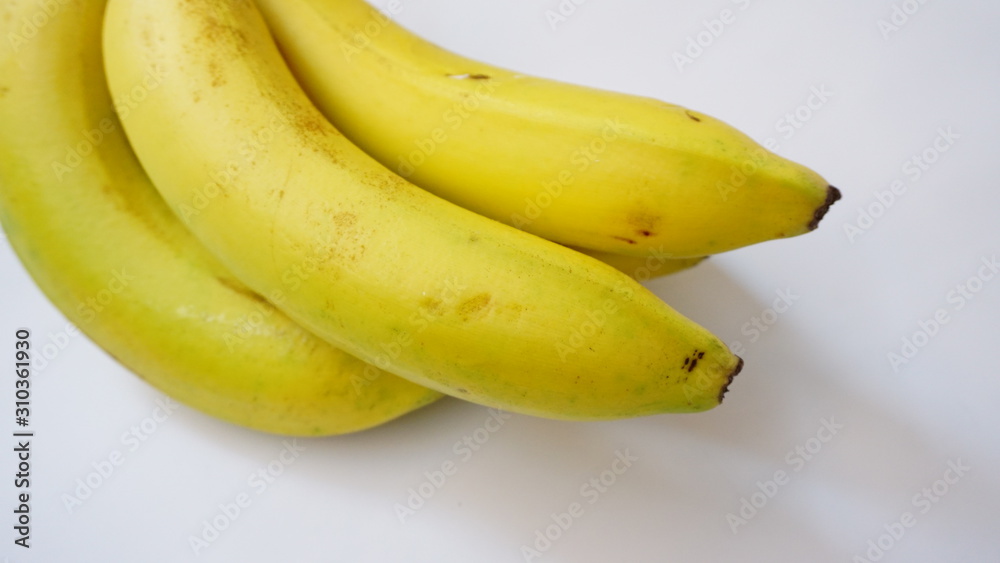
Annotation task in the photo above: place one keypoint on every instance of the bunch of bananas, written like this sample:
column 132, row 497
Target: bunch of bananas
column 320, row 239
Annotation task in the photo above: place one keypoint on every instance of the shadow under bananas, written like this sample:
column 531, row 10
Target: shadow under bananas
column 777, row 416
column 484, row 481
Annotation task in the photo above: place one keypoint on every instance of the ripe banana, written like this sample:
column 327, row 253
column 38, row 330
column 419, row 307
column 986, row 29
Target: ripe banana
column 579, row 166
column 107, row 251
column 398, row 277
column 644, row 268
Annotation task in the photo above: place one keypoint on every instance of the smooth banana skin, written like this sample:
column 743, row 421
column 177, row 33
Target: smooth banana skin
column 107, row 251
column 389, row 272
column 644, row 268
column 580, row 166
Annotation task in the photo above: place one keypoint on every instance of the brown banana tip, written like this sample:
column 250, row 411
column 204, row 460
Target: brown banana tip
column 832, row 195
column 729, row 380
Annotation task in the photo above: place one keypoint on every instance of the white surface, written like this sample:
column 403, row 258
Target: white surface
column 824, row 359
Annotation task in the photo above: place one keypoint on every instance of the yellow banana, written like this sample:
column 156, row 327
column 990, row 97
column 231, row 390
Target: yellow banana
column 107, row 251
column 644, row 268
column 579, row 166
column 398, row 277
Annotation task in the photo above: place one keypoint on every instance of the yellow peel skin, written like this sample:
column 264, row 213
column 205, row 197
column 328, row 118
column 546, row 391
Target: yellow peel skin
column 105, row 249
column 389, row 272
column 643, row 268
column 579, row 166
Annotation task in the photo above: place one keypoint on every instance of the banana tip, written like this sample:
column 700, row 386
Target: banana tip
column 832, row 196
column 729, row 379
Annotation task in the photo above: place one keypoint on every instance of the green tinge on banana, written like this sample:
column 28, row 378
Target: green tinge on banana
column 583, row 167
column 104, row 248
column 392, row 274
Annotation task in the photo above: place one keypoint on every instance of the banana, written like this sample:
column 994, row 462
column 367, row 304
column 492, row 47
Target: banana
column 644, row 268
column 579, row 166
column 390, row 273
column 106, row 250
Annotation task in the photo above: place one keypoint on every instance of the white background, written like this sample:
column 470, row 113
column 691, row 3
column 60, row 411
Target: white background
column 824, row 360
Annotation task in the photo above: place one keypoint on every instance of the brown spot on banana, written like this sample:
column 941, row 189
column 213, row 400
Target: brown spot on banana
column 474, row 304
column 644, row 223
column 430, row 304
